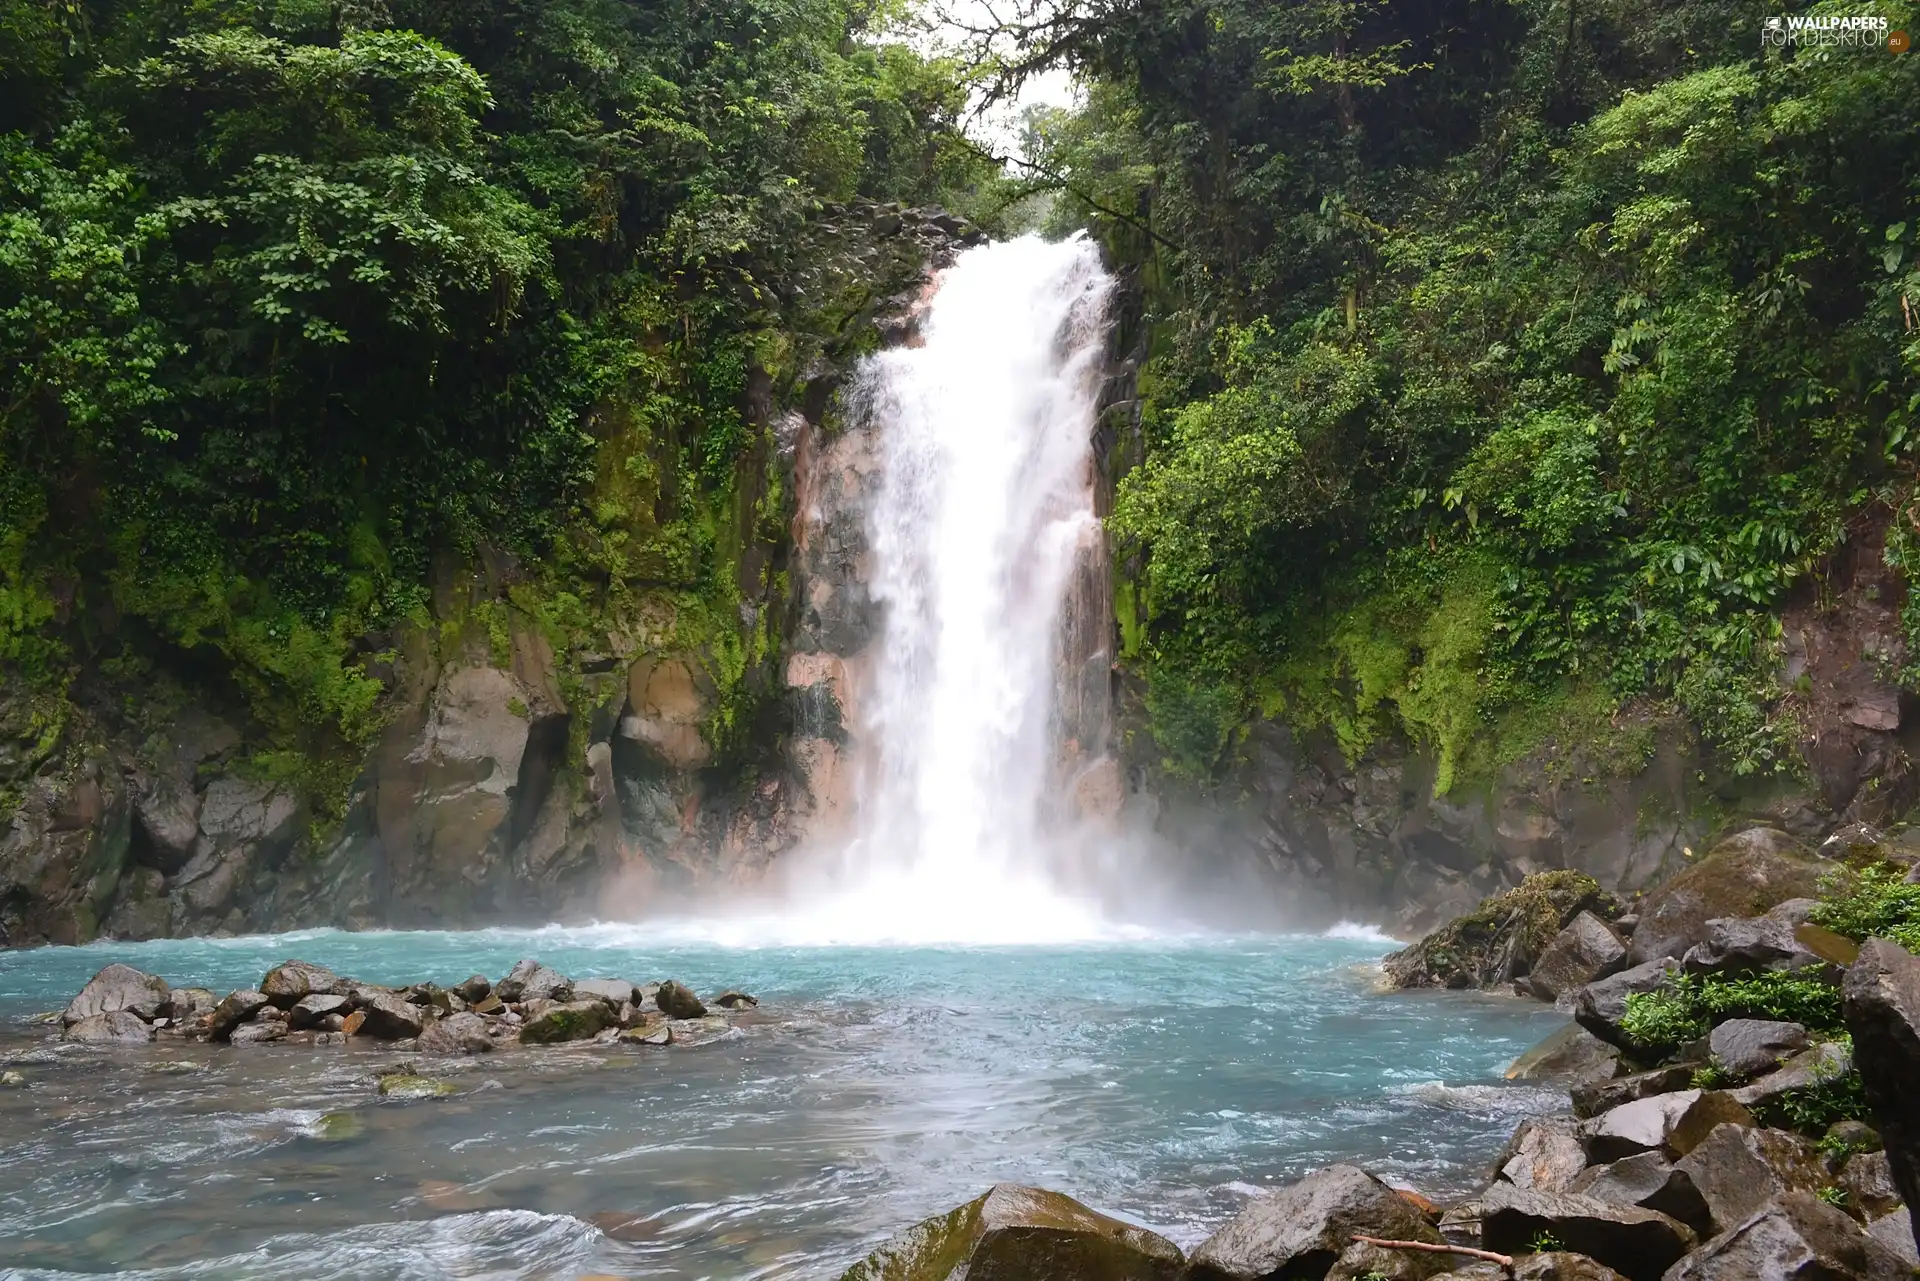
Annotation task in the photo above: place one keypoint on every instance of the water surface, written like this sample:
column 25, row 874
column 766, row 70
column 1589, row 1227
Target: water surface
column 1163, row 1082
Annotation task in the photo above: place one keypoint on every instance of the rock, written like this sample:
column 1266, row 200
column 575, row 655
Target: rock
column 566, row 1021
column 1797, row 1238
column 736, row 1001
column 406, row 1085
column 386, row 1015
column 473, row 988
column 1559, row 1265
column 1603, row 1096
column 660, row 1033
column 1648, row 1180
column 1544, row 1152
column 531, row 981
column 489, row 1004
column 615, row 992
column 1834, row 949
column 1868, row 1180
column 1895, row 1231
column 1587, row 949
column 1763, row 944
column 677, row 1001
column 167, row 813
column 1475, row 1272
column 234, row 1009
column 1363, row 1262
column 1824, row 1062
column 457, row 1034
column 1571, row 1055
column 1600, row 1005
column 1500, row 939
column 1637, row 1242
column 115, row 1027
column 1016, row 1232
column 308, row 1011
column 337, row 1127
column 1742, row 876
column 350, row 1026
column 258, row 1033
column 1673, row 1122
column 290, row 982
column 701, row 1031
column 1851, row 1136
column 187, row 1005
column 118, row 987
column 1881, row 1003
column 1747, row 1047
column 12, row 1080
column 1739, row 1169
column 1301, row 1229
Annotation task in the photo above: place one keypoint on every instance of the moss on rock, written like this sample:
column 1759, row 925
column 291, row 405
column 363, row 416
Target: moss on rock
column 1499, row 940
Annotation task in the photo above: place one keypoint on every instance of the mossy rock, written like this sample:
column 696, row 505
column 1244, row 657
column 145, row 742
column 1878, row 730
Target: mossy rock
column 1499, row 940
column 340, row 1127
column 566, row 1021
column 402, row 1085
column 1016, row 1231
column 1746, row 875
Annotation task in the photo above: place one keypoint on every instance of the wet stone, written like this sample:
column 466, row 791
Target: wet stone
column 117, row 1027
column 677, row 1001
column 405, row 1085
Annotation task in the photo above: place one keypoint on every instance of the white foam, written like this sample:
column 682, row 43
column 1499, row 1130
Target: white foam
column 1359, row 932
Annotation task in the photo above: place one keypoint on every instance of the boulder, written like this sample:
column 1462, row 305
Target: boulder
column 167, row 812
column 1603, row 1096
column 1648, row 1180
column 1572, row 1056
column 474, row 988
column 1851, row 1136
column 1748, row 1047
column 457, row 1034
column 186, row 1005
column 566, row 1021
column 116, row 988
column 1634, row 1241
column 1501, row 939
column 700, row 1031
column 234, row 1009
column 659, row 1033
column 677, row 1001
column 308, row 1011
column 1823, row 1062
column 1867, row 1178
column 1675, row 1123
column 1016, row 1232
column 258, row 1033
column 406, row 1085
column 1895, row 1231
column 1600, row 1005
column 1560, row 1265
column 529, row 980
column 1363, row 1262
column 1544, row 1152
column 1476, row 1271
column 1587, row 949
column 736, row 1001
column 386, row 1015
column 1742, row 876
column 1761, row 944
column 615, row 992
column 1739, row 1169
column 290, row 982
column 1881, row 1003
column 1797, row 1238
column 1301, row 1229
column 115, row 1027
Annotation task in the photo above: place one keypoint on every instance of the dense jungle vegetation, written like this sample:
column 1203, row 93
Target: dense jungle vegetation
column 296, row 295
column 1510, row 359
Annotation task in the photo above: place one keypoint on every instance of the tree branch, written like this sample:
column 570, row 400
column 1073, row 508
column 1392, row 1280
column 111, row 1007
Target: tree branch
column 1504, row 1260
column 1064, row 183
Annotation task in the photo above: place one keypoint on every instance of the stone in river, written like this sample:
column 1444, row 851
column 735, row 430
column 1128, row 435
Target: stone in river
column 350, row 1026
column 337, row 1127
column 310, row 1010
column 116, row 1027
column 1740, row 1169
column 677, row 1001
column 234, row 1009
column 1572, row 1055
column 566, row 1021
column 116, row 988
column 660, row 1033
column 615, row 992
column 529, row 980
column 457, row 1034
column 406, row 1085
column 287, row 983
column 12, row 1080
column 1634, row 1241
column 1017, row 1232
column 258, row 1033
column 701, row 1031
column 187, row 1004
column 1747, row 1047
column 736, row 1001
column 473, row 988
column 388, row 1016
column 1797, row 1238
column 1307, row 1226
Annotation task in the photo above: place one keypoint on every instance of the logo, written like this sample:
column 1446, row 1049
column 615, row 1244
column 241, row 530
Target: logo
column 1899, row 42
column 1832, row 31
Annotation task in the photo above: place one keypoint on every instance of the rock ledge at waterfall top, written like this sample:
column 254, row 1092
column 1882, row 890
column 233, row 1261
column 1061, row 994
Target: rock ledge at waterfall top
column 300, row 1003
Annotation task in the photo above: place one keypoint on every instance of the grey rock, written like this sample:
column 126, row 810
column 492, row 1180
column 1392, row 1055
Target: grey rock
column 1572, row 1055
column 475, row 987
column 1675, row 1123
column 736, row 1001
column 1895, row 1232
column 1634, row 1241
column 168, row 814
column 677, row 1001
column 239, row 811
column 1868, row 1180
column 1363, row 1262
column 1740, row 1169
column 1742, row 876
column 115, row 1027
column 1545, row 1153
column 558, row 1021
column 1748, row 1047
column 457, row 1034
column 1797, row 1238
column 1603, row 1096
column 1585, row 950
column 615, row 992
column 188, row 1004
column 1015, row 1232
column 529, row 980
column 1881, row 1002
column 388, row 1016
column 1648, row 1180
column 290, row 982
column 234, row 1009
column 1600, row 1005
column 309, row 1011
column 1560, row 1265
column 258, row 1033
column 115, row 988
column 1762, row 944
column 1824, row 1062
column 1301, row 1229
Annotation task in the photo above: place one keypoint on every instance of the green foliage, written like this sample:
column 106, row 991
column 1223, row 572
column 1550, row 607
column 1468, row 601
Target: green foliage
column 1841, row 1097
column 1873, row 902
column 1687, row 1006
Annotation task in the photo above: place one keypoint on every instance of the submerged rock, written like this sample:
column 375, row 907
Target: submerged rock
column 1797, row 1238
column 1637, row 1242
column 1017, row 1232
column 118, row 988
column 566, row 1021
column 116, row 1027
column 736, row 1001
column 406, row 1085
column 457, row 1034
column 1301, row 1229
